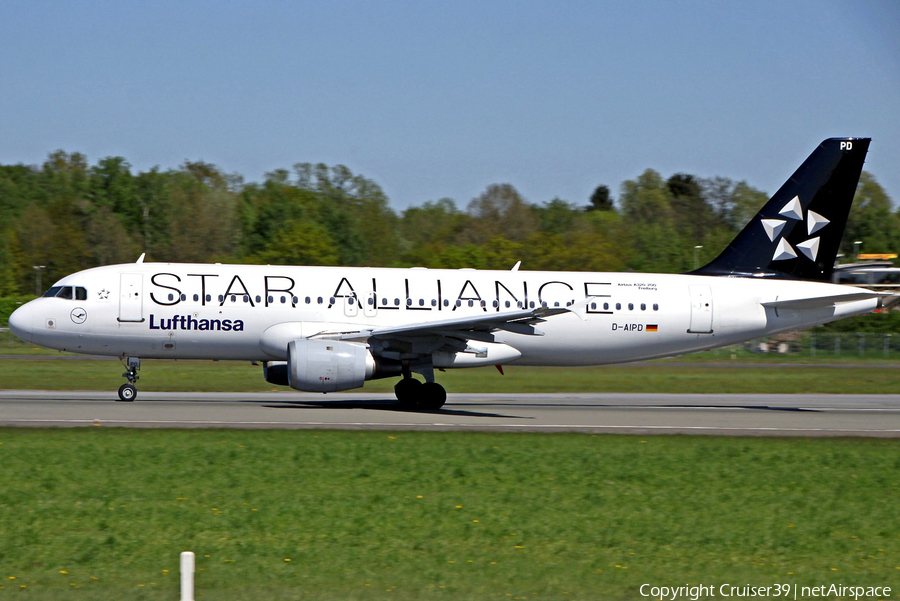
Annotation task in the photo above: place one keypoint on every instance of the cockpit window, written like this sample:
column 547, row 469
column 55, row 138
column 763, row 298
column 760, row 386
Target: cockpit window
column 67, row 292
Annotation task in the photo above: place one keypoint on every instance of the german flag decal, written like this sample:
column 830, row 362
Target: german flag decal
column 652, row 327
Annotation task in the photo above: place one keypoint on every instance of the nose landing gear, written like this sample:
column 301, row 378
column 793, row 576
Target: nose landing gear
column 128, row 392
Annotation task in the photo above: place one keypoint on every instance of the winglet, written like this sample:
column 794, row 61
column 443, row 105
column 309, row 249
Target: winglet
column 141, row 258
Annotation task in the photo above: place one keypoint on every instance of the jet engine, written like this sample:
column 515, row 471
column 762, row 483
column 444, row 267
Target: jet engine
column 328, row 366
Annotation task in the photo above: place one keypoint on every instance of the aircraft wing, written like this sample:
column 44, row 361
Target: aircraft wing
column 823, row 301
column 464, row 327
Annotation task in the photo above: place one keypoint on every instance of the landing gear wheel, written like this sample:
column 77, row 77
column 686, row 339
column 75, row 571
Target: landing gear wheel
column 127, row 392
column 432, row 396
column 408, row 391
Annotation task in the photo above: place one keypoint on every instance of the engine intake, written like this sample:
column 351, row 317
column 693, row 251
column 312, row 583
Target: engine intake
column 276, row 372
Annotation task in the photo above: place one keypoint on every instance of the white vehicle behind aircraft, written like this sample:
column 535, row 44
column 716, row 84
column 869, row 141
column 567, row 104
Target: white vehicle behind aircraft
column 326, row 329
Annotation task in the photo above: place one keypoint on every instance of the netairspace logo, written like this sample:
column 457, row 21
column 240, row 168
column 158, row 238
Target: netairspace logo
column 783, row 591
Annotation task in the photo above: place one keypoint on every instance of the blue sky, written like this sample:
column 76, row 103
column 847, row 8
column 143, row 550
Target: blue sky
column 437, row 100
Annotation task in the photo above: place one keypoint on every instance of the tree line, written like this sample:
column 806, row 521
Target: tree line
column 67, row 215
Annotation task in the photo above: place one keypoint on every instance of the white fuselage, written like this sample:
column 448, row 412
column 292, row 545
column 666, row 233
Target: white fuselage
column 200, row 311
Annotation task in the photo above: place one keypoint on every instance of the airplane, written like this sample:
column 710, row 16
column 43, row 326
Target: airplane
column 326, row 329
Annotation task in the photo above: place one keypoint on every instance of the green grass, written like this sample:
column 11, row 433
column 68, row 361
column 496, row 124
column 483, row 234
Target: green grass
column 104, row 514
column 224, row 376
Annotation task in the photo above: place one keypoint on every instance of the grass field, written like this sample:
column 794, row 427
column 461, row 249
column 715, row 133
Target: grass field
column 104, row 514
column 661, row 376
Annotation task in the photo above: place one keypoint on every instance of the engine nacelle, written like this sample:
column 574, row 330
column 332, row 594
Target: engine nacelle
column 328, row 365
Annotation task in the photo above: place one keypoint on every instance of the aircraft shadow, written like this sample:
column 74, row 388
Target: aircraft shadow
column 659, row 406
column 378, row 405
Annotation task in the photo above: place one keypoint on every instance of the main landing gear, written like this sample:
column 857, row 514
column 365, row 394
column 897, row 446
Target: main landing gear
column 413, row 394
column 128, row 392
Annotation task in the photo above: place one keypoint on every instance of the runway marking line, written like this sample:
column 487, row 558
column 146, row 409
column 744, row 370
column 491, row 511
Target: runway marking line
column 445, row 425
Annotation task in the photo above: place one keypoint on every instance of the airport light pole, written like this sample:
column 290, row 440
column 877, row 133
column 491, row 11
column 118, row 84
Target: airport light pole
column 37, row 278
column 856, row 245
column 697, row 256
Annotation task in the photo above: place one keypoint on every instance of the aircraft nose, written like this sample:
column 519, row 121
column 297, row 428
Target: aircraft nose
column 20, row 322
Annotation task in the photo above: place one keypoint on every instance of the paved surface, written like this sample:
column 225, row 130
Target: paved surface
column 723, row 414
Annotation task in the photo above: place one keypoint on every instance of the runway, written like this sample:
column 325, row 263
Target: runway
column 644, row 414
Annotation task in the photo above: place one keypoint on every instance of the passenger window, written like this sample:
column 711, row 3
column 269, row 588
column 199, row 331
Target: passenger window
column 655, row 307
column 631, row 306
column 196, row 297
column 618, row 306
column 643, row 306
column 606, row 306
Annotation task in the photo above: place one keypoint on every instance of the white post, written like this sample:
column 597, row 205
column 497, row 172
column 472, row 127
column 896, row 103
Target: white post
column 187, row 576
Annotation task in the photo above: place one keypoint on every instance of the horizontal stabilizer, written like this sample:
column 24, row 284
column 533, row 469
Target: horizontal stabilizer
column 822, row 301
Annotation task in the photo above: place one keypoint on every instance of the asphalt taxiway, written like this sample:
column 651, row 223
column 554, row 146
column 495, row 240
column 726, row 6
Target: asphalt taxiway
column 722, row 414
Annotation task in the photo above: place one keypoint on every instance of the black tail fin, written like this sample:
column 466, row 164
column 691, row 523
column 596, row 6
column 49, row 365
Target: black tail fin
column 797, row 233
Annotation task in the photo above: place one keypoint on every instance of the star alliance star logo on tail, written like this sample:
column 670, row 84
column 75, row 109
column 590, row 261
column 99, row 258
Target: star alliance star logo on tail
column 814, row 222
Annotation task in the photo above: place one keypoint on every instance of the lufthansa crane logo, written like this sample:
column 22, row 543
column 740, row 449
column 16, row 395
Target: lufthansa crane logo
column 78, row 315
column 814, row 222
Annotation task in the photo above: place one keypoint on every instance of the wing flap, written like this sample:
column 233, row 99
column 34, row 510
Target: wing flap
column 520, row 322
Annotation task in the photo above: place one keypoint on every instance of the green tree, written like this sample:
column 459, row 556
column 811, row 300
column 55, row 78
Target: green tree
column 601, row 200
column 500, row 208
column 871, row 219
column 655, row 241
column 299, row 243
